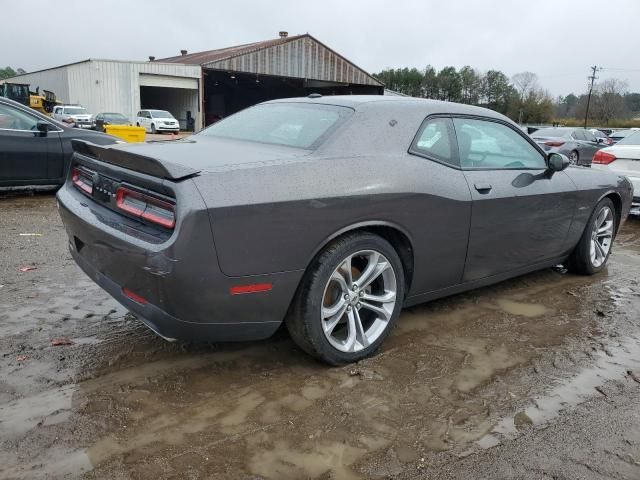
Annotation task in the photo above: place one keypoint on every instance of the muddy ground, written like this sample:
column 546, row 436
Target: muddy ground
column 538, row 377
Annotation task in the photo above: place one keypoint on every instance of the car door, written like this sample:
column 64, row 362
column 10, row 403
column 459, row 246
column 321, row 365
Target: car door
column 581, row 146
column 591, row 145
column 27, row 154
column 520, row 214
column 445, row 208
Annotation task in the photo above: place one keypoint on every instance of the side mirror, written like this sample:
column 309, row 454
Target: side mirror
column 600, row 140
column 43, row 128
column 557, row 163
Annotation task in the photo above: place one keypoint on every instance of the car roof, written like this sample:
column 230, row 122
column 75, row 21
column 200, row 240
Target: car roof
column 384, row 102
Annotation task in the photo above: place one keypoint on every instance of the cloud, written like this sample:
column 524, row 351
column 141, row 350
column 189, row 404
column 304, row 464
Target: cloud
column 559, row 40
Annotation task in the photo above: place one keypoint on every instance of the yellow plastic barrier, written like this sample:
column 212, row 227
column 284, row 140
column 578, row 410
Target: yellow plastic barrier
column 127, row 133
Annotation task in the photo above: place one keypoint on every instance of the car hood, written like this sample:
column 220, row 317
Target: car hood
column 178, row 159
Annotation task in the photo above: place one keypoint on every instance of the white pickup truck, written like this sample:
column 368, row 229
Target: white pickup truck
column 75, row 114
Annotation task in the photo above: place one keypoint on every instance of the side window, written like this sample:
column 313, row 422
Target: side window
column 484, row 144
column 590, row 136
column 435, row 140
column 578, row 135
column 14, row 119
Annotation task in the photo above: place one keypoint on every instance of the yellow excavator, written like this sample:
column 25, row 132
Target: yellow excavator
column 20, row 92
column 44, row 102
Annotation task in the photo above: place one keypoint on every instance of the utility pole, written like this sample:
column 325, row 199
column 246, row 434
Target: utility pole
column 593, row 78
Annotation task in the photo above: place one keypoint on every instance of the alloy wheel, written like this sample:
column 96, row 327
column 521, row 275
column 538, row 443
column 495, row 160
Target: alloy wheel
column 601, row 237
column 573, row 157
column 359, row 300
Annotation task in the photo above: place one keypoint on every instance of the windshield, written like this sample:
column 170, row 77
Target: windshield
column 301, row 125
column 75, row 111
column 115, row 117
column 621, row 133
column 160, row 114
column 632, row 138
column 552, row 132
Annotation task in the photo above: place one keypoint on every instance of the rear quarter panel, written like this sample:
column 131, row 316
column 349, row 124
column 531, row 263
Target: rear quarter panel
column 593, row 185
column 277, row 218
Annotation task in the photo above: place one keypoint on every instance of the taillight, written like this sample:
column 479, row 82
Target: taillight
column 603, row 158
column 144, row 206
column 553, row 143
column 82, row 180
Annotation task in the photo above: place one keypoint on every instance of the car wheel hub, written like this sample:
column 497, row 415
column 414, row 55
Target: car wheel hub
column 601, row 237
column 359, row 300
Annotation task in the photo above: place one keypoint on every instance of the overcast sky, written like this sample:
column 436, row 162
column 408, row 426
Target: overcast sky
column 557, row 39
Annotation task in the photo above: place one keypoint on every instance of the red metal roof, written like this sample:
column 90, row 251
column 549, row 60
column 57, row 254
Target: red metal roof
column 201, row 58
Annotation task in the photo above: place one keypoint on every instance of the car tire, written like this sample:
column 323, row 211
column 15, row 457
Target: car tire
column 588, row 258
column 340, row 323
column 574, row 157
column 153, row 128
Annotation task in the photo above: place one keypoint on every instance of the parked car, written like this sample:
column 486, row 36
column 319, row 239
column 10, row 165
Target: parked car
column 157, row 121
column 623, row 158
column 331, row 213
column 36, row 149
column 101, row 120
column 601, row 137
column 74, row 115
column 576, row 143
column 618, row 135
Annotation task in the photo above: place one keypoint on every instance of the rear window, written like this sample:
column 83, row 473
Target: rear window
column 551, row 132
column 631, row 139
column 301, row 125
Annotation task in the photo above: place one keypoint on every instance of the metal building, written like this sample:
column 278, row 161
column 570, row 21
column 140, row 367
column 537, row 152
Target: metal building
column 236, row 77
column 207, row 85
column 121, row 86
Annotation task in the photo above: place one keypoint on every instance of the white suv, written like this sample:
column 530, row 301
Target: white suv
column 73, row 114
column 156, row 121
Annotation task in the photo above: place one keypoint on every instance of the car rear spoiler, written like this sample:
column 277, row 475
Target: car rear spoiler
column 133, row 161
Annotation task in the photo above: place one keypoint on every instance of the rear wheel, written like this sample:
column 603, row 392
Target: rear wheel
column 349, row 299
column 592, row 252
column 574, row 157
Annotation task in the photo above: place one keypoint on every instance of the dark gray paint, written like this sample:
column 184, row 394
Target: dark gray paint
column 258, row 213
column 30, row 158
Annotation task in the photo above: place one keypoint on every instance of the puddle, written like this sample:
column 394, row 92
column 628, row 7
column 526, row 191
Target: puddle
column 611, row 363
column 521, row 308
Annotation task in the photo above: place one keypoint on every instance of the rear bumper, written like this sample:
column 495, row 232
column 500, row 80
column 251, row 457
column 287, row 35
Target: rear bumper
column 186, row 296
column 166, row 128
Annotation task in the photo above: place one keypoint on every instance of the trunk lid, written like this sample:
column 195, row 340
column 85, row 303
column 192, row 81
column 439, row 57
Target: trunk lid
column 180, row 159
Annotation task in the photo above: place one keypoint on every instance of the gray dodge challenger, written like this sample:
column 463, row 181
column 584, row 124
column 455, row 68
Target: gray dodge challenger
column 330, row 214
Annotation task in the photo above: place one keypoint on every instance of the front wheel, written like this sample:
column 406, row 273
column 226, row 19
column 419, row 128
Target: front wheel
column 349, row 299
column 592, row 252
column 574, row 157
column 153, row 128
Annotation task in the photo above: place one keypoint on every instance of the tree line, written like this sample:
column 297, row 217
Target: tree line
column 9, row 72
column 520, row 97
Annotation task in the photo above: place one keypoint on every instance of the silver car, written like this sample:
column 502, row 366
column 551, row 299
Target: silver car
column 576, row 143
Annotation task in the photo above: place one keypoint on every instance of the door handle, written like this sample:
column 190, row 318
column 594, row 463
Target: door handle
column 483, row 187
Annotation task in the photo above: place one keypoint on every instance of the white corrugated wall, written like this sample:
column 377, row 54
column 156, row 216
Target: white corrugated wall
column 102, row 85
column 55, row 80
column 114, row 86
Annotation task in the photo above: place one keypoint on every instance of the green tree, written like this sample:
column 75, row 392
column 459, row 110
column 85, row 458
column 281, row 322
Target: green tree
column 430, row 82
column 497, row 91
column 7, row 72
column 449, row 85
column 471, row 85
